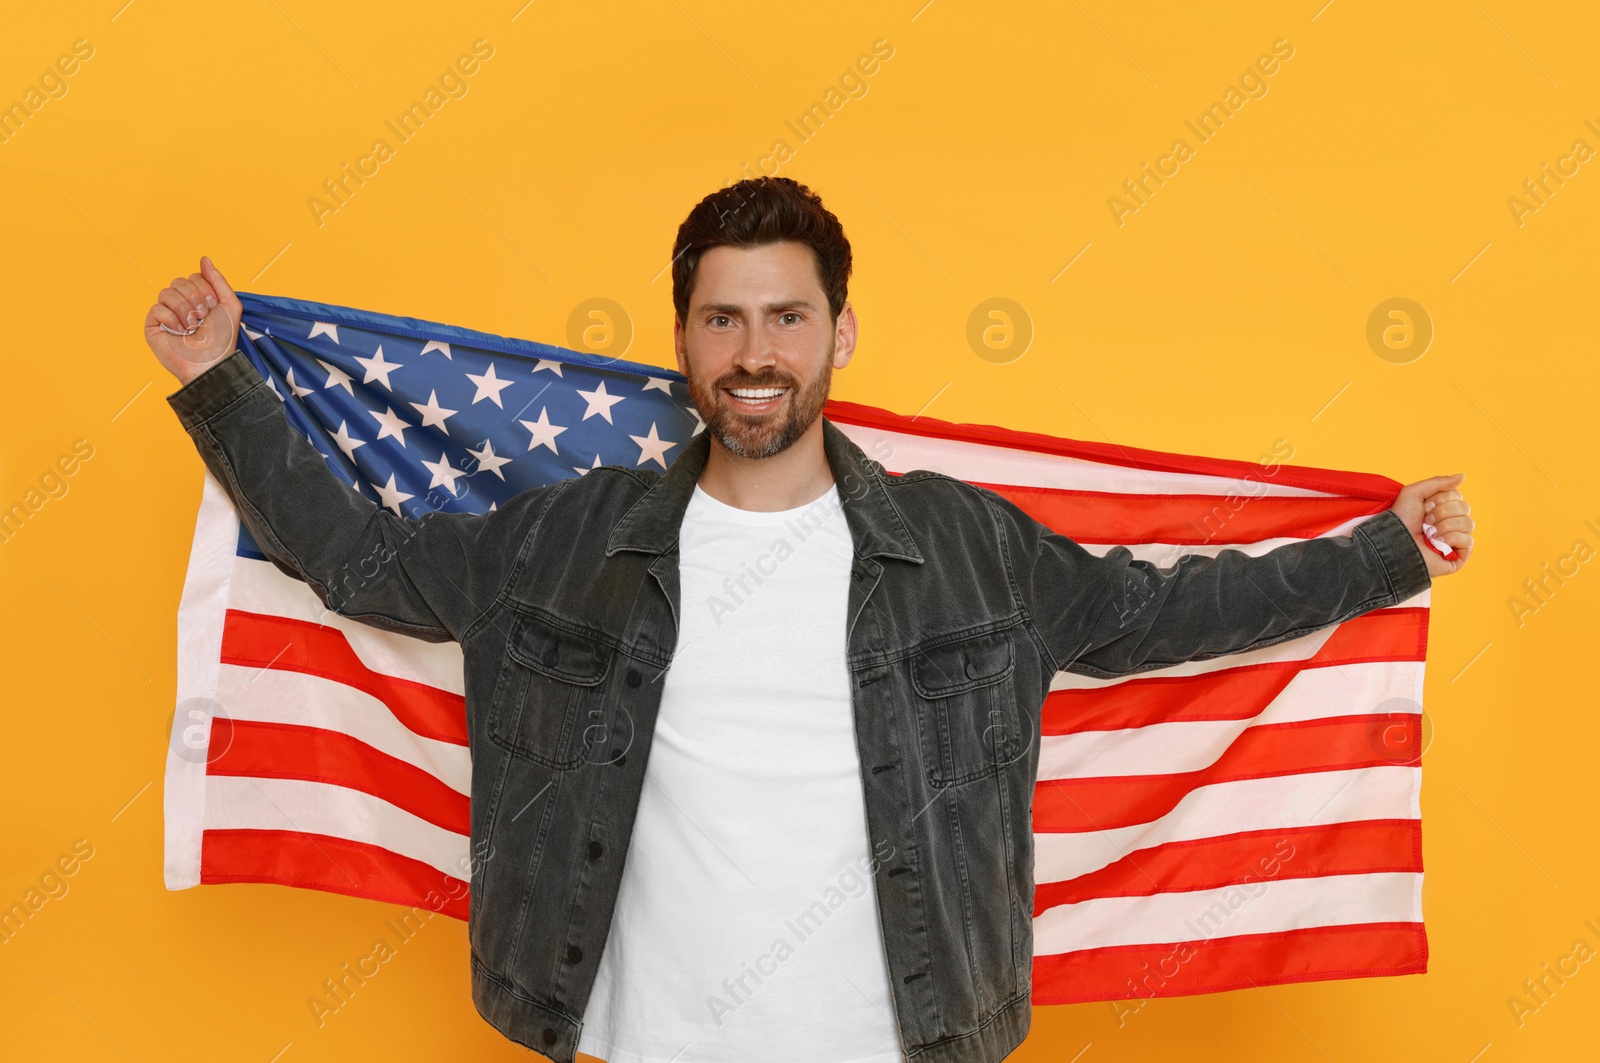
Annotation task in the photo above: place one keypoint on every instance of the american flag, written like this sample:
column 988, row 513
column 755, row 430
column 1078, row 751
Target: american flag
column 1249, row 820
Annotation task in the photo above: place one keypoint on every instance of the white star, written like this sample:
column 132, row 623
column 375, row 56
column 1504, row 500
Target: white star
column 443, row 475
column 377, row 368
column 582, row 471
column 699, row 425
column 546, row 363
column 391, row 496
column 599, row 402
column 347, row 442
column 488, row 461
column 489, row 387
column 252, row 333
column 273, row 385
column 659, row 383
column 435, row 345
column 544, row 433
column 652, row 447
column 296, row 389
column 493, row 506
column 337, row 378
column 392, row 424
column 323, row 328
column 432, row 412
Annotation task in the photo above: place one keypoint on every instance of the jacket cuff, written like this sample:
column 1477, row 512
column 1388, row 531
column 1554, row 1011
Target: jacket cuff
column 214, row 390
column 1402, row 558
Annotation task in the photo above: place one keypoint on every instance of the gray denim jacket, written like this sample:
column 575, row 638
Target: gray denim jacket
column 961, row 608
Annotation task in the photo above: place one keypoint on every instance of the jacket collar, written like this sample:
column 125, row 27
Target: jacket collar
column 876, row 528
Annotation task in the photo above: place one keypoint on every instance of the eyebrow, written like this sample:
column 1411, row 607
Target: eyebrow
column 730, row 308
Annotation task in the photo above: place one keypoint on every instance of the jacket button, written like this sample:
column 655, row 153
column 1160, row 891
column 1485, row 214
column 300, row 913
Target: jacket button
column 551, row 655
column 972, row 669
column 618, row 757
column 633, row 678
column 574, row 953
column 549, row 1036
column 595, row 849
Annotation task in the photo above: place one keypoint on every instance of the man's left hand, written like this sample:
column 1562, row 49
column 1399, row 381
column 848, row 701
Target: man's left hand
column 1438, row 502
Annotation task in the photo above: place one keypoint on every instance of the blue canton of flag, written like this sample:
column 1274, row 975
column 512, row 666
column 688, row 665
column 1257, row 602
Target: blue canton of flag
column 419, row 416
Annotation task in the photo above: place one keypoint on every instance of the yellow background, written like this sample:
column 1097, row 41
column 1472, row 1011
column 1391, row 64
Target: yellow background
column 1227, row 313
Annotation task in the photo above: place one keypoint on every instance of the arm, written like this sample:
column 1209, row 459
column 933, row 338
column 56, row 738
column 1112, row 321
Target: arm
column 1113, row 616
column 433, row 578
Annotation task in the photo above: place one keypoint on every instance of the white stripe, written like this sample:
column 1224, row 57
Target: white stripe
column 1376, row 687
column 1307, row 799
column 200, row 614
column 1261, row 906
column 1163, row 554
column 243, row 803
column 1302, row 648
column 272, row 696
column 260, row 587
column 991, row 464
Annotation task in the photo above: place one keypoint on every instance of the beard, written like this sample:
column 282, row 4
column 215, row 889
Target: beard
column 761, row 435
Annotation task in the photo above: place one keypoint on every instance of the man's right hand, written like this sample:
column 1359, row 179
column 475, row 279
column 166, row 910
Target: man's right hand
column 203, row 299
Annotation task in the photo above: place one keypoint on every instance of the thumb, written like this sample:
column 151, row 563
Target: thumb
column 211, row 273
column 1434, row 484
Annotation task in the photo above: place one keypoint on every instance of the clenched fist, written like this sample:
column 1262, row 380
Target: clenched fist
column 1437, row 503
column 202, row 301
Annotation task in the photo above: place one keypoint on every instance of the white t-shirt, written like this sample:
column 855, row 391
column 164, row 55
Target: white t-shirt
column 746, row 925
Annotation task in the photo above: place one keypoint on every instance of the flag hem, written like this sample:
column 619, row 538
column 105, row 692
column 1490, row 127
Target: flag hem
column 418, row 329
column 1333, row 481
column 202, row 608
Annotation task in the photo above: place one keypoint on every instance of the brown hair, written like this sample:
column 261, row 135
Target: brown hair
column 757, row 211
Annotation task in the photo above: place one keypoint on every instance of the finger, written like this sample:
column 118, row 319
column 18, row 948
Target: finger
column 179, row 303
column 1450, row 508
column 160, row 314
column 203, row 286
column 1454, row 524
column 191, row 295
column 218, row 282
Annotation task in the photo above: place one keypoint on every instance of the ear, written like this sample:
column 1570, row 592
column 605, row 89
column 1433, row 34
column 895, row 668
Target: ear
column 678, row 344
column 844, row 336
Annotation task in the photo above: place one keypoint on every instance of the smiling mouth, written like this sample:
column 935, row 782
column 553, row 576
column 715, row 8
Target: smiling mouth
column 756, row 400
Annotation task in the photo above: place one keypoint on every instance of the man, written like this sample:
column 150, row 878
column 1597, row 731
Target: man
column 753, row 739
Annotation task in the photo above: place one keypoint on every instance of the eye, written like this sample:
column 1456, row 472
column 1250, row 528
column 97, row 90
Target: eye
column 793, row 314
column 719, row 317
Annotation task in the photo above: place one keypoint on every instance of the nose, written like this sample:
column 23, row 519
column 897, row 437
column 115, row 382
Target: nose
column 759, row 350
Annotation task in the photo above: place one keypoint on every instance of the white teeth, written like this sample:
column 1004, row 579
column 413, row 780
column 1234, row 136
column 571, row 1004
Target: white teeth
column 757, row 393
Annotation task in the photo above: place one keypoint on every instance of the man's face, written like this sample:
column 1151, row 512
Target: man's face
column 758, row 321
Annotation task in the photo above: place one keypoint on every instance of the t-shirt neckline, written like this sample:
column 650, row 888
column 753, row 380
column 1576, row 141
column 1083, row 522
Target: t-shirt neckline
column 824, row 504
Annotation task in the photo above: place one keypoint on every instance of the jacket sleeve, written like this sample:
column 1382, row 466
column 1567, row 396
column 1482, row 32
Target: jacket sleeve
column 432, row 578
column 1113, row 615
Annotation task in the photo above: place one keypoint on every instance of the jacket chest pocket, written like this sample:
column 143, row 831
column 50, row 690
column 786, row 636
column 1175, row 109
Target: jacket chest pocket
column 967, row 715
column 551, row 685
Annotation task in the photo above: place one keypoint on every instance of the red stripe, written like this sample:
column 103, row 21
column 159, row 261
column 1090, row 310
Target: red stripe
column 334, row 865
column 1123, row 972
column 1358, row 847
column 314, row 754
column 261, row 640
column 1232, row 693
column 1336, row 743
column 1183, row 519
column 1331, row 481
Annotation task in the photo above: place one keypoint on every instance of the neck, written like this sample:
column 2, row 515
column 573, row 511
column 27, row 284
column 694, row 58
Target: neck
column 799, row 475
